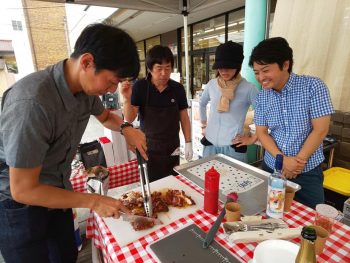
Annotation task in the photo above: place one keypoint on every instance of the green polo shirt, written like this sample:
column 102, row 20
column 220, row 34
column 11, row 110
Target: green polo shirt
column 42, row 123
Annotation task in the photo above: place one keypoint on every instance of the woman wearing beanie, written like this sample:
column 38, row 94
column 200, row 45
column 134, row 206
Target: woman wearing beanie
column 230, row 96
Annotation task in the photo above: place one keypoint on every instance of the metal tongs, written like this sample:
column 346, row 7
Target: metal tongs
column 146, row 190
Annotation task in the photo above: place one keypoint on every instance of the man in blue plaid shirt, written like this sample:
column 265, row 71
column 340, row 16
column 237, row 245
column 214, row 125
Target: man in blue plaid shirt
column 297, row 111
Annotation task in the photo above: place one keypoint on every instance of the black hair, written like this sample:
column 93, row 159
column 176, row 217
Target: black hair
column 272, row 50
column 238, row 70
column 158, row 55
column 112, row 48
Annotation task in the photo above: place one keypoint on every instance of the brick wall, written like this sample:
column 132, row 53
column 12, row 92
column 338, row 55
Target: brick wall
column 46, row 28
column 340, row 129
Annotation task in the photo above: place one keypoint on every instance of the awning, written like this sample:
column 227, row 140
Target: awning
column 181, row 7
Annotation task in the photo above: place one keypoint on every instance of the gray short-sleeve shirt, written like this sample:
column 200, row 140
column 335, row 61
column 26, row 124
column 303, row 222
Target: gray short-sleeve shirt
column 42, row 123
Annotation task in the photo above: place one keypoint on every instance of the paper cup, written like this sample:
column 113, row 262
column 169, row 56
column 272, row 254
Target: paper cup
column 288, row 199
column 233, row 211
column 325, row 216
column 322, row 235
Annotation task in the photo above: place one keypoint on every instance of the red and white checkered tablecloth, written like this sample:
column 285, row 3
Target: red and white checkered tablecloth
column 119, row 175
column 337, row 246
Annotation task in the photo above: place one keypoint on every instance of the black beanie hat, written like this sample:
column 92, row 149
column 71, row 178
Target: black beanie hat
column 228, row 55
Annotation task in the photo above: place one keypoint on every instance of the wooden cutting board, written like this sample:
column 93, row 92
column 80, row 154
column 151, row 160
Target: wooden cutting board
column 123, row 231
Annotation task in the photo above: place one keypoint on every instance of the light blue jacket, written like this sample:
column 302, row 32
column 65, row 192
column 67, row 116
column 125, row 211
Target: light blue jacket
column 222, row 127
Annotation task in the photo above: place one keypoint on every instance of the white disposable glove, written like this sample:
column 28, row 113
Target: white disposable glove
column 188, row 151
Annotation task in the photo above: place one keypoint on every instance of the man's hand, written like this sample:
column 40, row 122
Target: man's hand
column 126, row 89
column 135, row 138
column 106, row 206
column 292, row 166
column 188, row 151
column 203, row 131
column 241, row 140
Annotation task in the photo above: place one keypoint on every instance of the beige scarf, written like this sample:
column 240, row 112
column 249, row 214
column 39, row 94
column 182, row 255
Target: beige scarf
column 227, row 92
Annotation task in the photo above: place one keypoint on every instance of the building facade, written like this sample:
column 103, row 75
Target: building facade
column 46, row 23
column 203, row 38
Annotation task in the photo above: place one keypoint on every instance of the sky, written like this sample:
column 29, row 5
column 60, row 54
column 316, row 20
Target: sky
column 79, row 16
column 9, row 10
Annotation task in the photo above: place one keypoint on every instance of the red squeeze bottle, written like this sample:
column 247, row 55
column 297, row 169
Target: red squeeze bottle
column 211, row 191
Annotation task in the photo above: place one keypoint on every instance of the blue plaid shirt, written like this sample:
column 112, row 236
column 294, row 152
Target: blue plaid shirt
column 288, row 115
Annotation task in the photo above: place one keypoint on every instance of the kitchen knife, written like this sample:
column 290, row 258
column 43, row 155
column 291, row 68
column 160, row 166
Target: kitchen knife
column 212, row 231
column 132, row 218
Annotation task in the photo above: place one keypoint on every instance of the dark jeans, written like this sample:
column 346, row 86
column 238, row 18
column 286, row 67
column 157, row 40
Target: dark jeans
column 311, row 182
column 36, row 234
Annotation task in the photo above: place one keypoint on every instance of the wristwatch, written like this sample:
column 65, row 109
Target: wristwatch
column 125, row 124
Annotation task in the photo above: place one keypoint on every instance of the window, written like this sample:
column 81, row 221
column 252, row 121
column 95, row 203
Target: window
column 17, row 25
column 183, row 39
column 142, row 73
column 141, row 50
column 151, row 42
column 169, row 39
column 209, row 33
column 183, row 70
column 236, row 26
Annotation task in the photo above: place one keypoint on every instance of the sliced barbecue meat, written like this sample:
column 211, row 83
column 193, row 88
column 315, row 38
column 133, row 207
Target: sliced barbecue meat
column 142, row 224
column 139, row 211
column 132, row 200
column 178, row 198
column 160, row 201
column 159, row 205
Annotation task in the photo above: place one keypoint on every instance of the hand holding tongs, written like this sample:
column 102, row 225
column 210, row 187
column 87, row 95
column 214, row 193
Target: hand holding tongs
column 146, row 190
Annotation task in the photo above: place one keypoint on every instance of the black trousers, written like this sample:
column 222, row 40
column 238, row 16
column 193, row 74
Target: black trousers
column 36, row 234
column 311, row 182
column 161, row 166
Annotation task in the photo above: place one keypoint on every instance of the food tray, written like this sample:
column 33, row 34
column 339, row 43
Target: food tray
column 235, row 176
column 337, row 179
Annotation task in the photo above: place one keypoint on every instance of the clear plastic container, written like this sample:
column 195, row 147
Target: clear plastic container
column 326, row 216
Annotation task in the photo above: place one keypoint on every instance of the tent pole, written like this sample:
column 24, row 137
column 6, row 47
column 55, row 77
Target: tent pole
column 185, row 14
column 254, row 32
column 186, row 59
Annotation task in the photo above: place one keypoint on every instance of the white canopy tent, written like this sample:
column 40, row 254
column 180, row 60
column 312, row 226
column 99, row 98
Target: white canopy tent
column 162, row 6
column 191, row 11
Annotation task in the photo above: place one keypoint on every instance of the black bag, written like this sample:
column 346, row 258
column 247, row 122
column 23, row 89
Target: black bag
column 240, row 149
column 205, row 142
column 92, row 154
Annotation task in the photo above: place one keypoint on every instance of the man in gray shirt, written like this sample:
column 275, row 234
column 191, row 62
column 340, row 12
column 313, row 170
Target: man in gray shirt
column 43, row 118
